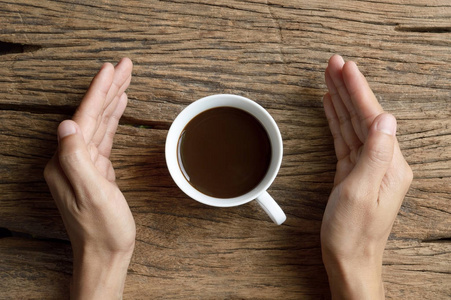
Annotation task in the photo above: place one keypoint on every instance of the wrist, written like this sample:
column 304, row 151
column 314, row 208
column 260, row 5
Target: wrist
column 355, row 279
column 99, row 275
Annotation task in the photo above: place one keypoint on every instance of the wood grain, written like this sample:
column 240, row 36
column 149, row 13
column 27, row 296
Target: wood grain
column 270, row 51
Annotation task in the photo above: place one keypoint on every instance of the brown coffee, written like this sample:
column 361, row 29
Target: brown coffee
column 224, row 152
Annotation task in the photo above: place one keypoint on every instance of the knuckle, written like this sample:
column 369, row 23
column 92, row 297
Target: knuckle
column 380, row 155
column 115, row 117
column 71, row 157
column 355, row 195
column 106, row 119
column 408, row 174
column 347, row 193
column 48, row 171
column 110, row 134
column 343, row 119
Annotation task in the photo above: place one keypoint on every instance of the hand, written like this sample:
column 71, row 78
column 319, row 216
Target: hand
column 81, row 179
column 371, row 180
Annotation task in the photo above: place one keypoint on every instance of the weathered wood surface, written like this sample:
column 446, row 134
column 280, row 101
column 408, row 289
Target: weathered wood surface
column 270, row 51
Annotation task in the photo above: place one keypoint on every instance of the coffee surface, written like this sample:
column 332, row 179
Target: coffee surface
column 224, row 152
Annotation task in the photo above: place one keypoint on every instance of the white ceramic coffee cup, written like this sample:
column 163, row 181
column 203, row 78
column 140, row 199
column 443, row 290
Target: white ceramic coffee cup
column 259, row 193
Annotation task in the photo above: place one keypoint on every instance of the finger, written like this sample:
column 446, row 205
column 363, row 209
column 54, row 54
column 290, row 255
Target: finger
column 107, row 142
column 105, row 120
column 121, row 81
column 365, row 105
column 335, row 67
column 341, row 148
column 347, row 129
column 75, row 161
column 89, row 113
column 376, row 156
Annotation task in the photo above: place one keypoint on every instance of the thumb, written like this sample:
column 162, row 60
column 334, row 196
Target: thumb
column 74, row 156
column 377, row 153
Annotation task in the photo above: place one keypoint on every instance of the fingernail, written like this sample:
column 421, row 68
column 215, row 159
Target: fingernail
column 66, row 128
column 387, row 124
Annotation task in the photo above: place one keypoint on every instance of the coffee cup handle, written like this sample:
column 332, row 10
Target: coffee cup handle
column 271, row 208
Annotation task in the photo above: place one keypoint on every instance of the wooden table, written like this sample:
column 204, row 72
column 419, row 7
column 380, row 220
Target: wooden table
column 274, row 52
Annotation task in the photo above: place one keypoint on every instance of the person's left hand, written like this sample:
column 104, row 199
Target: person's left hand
column 81, row 179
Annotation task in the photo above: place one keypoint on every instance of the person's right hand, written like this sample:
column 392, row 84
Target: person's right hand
column 81, row 179
column 371, row 180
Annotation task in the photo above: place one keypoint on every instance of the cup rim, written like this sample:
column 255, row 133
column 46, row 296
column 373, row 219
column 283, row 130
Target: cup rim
column 222, row 100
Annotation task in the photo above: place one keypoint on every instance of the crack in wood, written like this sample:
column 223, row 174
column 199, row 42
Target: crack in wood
column 12, row 48
column 438, row 240
column 68, row 110
column 424, row 29
column 160, row 125
column 39, row 109
column 6, row 233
